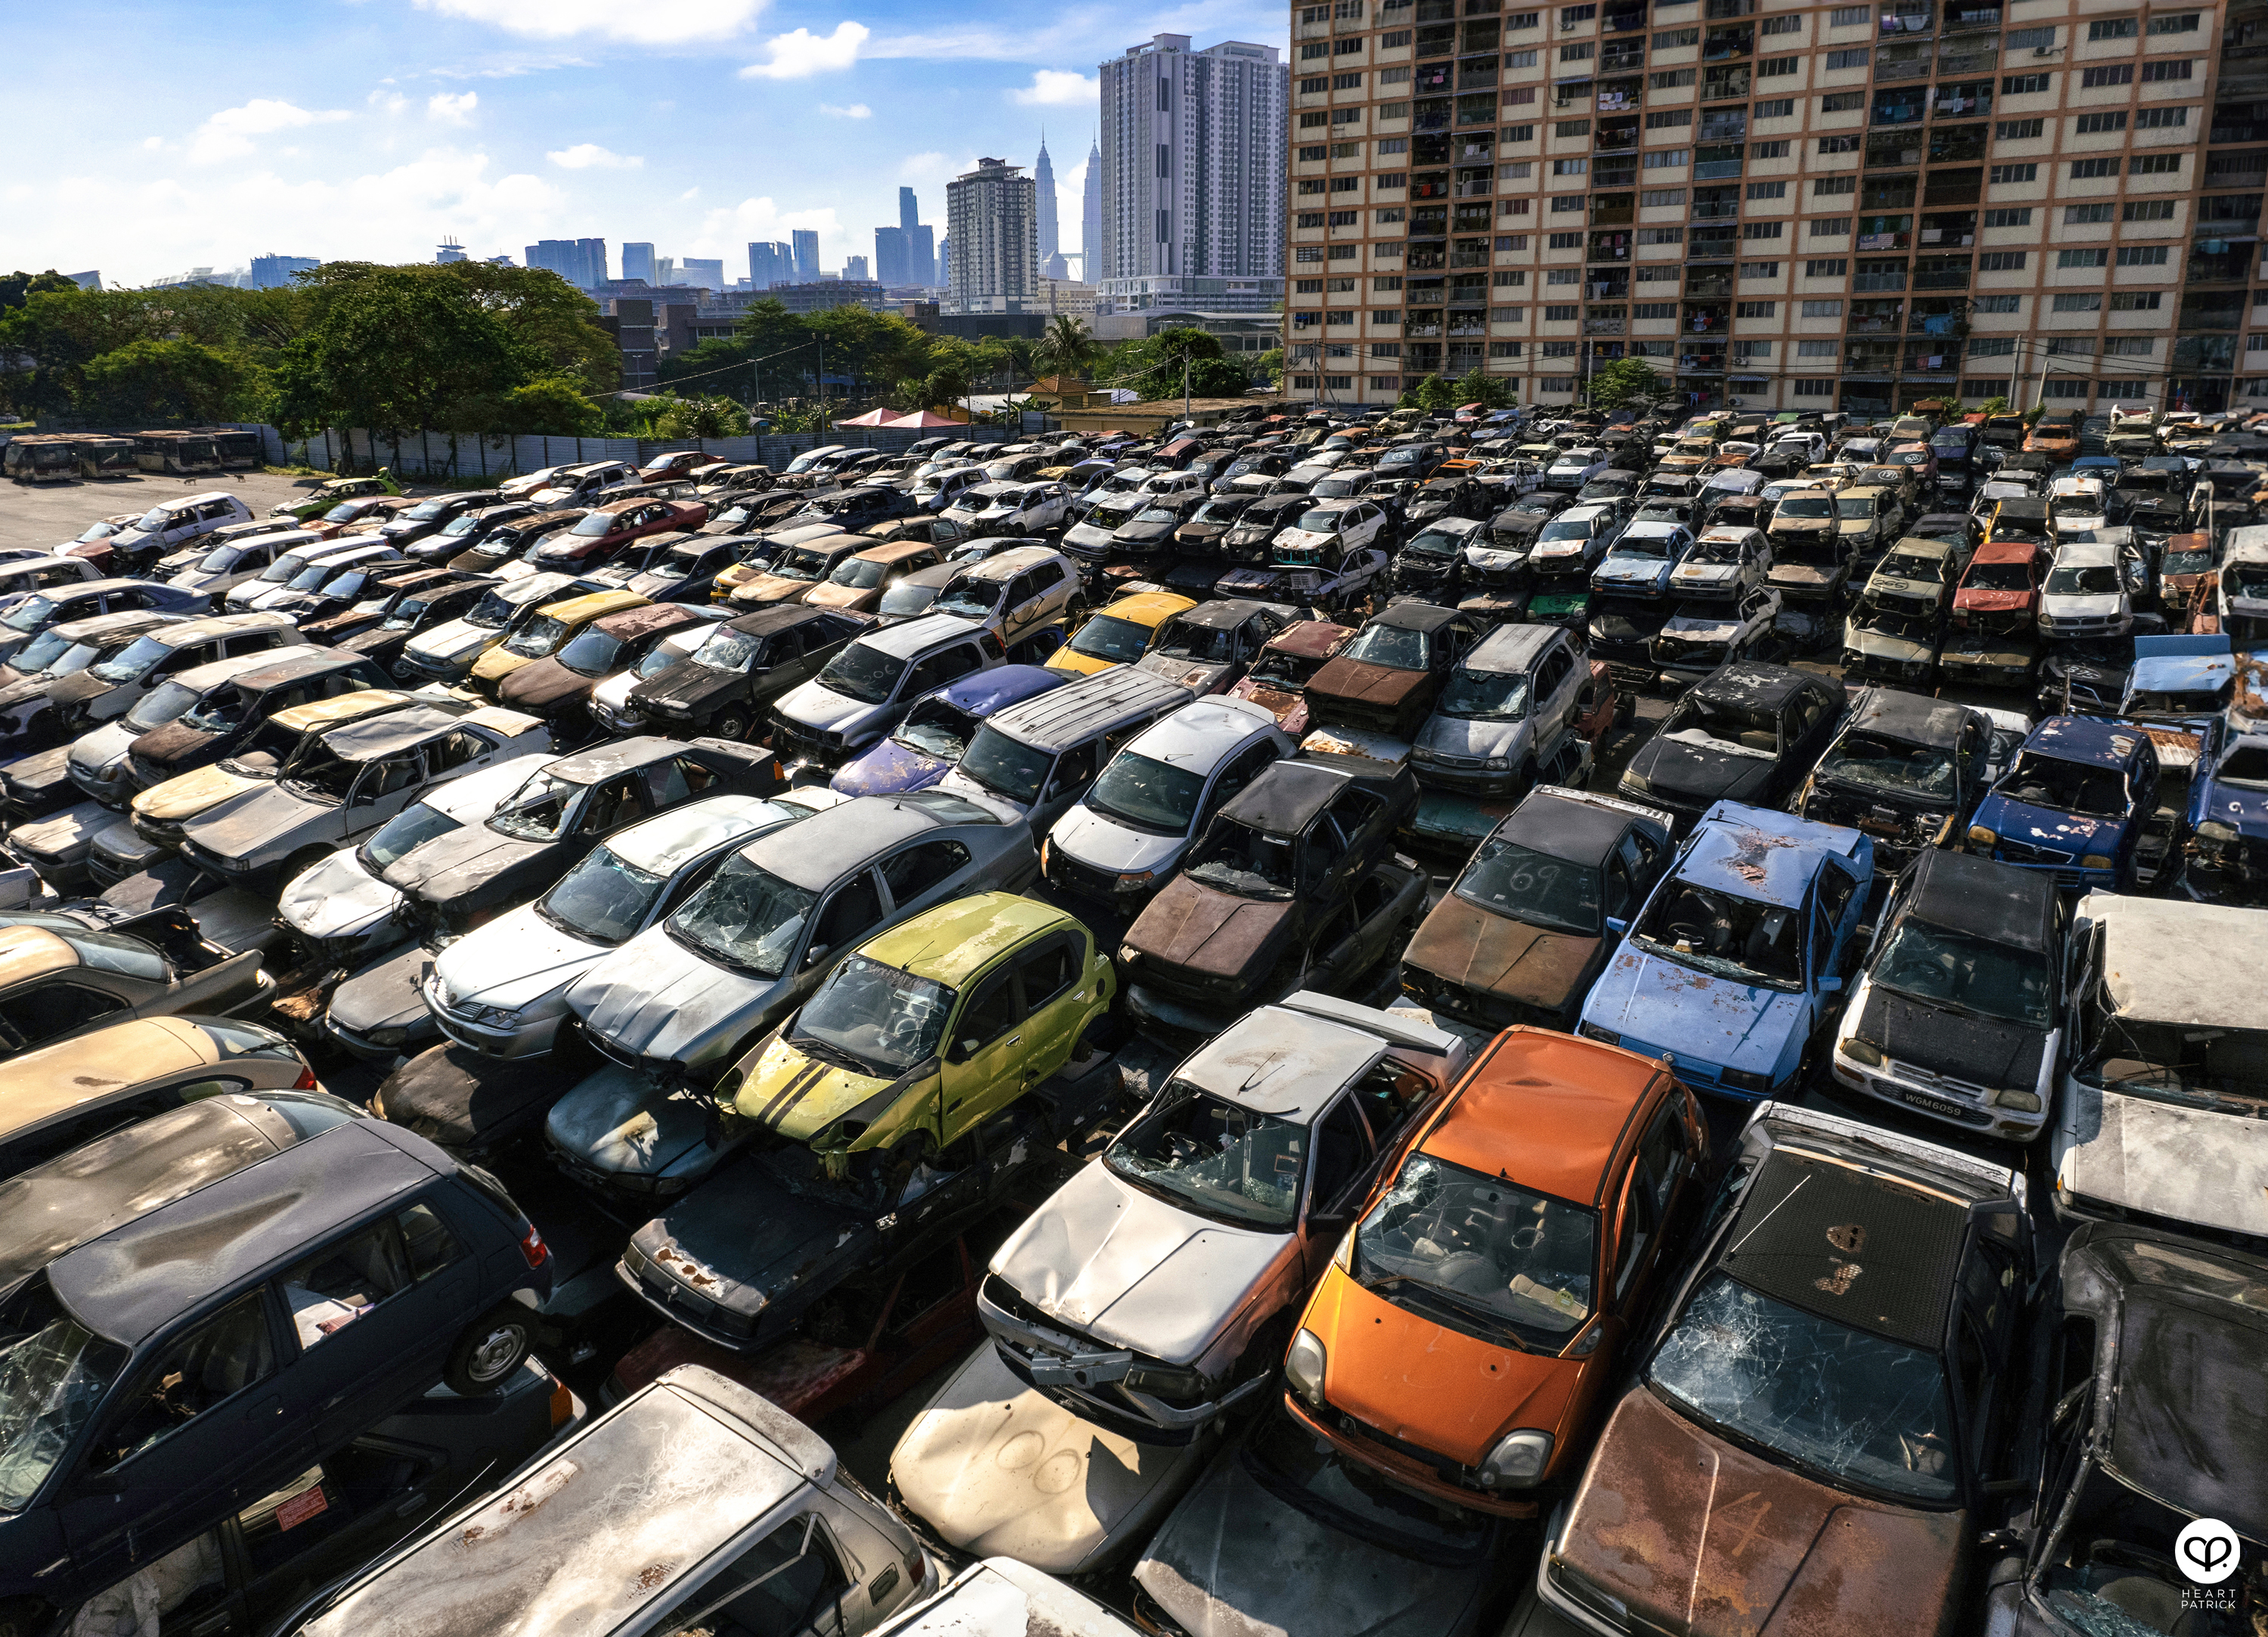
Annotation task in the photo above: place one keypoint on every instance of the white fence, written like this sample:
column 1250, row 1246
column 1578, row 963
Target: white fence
column 474, row 457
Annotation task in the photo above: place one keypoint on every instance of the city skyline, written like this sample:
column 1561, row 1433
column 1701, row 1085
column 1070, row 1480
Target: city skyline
column 375, row 131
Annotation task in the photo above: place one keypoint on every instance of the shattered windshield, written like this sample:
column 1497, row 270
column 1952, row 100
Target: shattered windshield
column 1720, row 932
column 32, row 613
column 884, row 1021
column 1519, row 1264
column 1533, row 887
column 2090, row 579
column 1718, row 549
column 53, row 1375
column 970, row 597
column 1288, row 672
column 1646, row 545
column 1005, row 766
column 1216, row 1159
column 41, row 652
column 132, row 661
column 162, row 703
column 602, row 900
column 1726, row 723
column 2044, row 781
column 863, row 673
column 1910, row 565
column 803, row 563
column 1485, row 695
column 745, row 917
column 1200, row 645
column 412, row 826
column 1247, row 862
column 1882, row 621
column 1999, row 576
column 538, row 638
column 1147, row 793
column 1964, row 973
column 1879, row 763
column 1807, row 505
column 725, row 649
column 1439, row 542
column 2221, row 1069
column 1856, row 508
column 539, row 809
column 1854, row 1407
column 1394, row 646
column 1108, row 636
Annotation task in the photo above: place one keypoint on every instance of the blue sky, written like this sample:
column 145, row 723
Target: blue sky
column 157, row 138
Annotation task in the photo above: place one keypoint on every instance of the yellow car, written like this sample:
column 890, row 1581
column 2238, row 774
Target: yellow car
column 922, row 1034
column 552, row 628
column 1118, row 635
column 789, row 541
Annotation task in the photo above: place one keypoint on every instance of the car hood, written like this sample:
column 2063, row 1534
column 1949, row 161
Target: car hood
column 1196, row 678
column 515, row 959
column 890, row 769
column 546, row 683
column 2247, row 809
column 472, row 863
column 454, row 639
column 2180, row 1164
column 2045, row 827
column 77, row 689
column 1467, row 945
column 2057, row 605
column 688, row 684
column 621, row 1121
column 338, row 898
column 1093, row 838
column 1633, row 571
column 1697, row 770
column 264, row 820
column 1719, row 1019
column 1981, row 601
column 1112, row 1262
column 824, row 710
column 104, row 746
column 1790, row 1556
column 1705, row 574
column 656, row 999
column 1465, row 736
column 1359, row 679
column 1191, row 926
column 174, row 744
column 1880, row 647
column 183, row 798
column 1801, row 574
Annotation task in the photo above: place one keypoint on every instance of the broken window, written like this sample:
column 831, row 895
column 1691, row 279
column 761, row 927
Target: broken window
column 1198, row 1151
column 1722, row 932
column 1475, row 1251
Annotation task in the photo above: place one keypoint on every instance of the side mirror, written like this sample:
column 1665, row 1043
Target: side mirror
column 964, row 1050
column 817, row 953
column 1617, row 924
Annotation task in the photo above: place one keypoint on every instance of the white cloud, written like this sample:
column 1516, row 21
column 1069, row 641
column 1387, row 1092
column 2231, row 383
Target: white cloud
column 388, row 102
column 229, row 134
column 1051, row 86
column 153, row 143
column 452, row 109
column 728, row 233
column 1072, row 33
column 934, row 168
column 802, row 54
column 556, row 19
column 586, row 155
column 856, row 111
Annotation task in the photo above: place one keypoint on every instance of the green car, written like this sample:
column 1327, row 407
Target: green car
column 318, row 501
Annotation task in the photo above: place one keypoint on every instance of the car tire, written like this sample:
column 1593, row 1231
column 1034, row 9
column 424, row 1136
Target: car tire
column 732, row 722
column 485, row 1356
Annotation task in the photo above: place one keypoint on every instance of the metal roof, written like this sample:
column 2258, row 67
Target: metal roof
column 1754, row 853
column 1908, row 718
column 1063, row 715
column 662, row 844
column 1983, row 897
column 1510, row 649
column 2167, row 961
column 87, row 1068
column 827, row 846
column 373, row 737
column 917, row 637
column 2087, row 740
column 1281, row 1062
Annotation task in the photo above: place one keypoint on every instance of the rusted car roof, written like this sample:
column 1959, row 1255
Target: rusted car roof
column 1311, row 640
column 29, row 952
column 655, row 617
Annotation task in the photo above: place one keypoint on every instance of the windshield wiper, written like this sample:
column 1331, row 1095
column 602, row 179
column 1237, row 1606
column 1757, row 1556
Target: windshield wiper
column 1425, row 1291
column 841, row 1056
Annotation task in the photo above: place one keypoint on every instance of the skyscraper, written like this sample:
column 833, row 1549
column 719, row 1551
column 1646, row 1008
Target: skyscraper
column 807, row 254
column 449, row 250
column 854, row 267
column 908, row 209
column 992, row 235
column 769, row 264
column 1090, row 214
column 707, row 273
column 923, row 256
column 637, row 260
column 890, row 257
column 274, row 272
column 582, row 262
column 1193, row 160
column 1043, row 185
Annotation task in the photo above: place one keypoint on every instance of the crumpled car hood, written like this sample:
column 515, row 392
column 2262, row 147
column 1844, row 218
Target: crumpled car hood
column 1695, row 1014
column 188, row 794
column 657, row 998
column 2191, row 1165
column 547, row 681
column 1466, row 944
column 77, row 688
column 105, row 745
column 750, row 1245
column 389, row 994
column 621, row 1121
column 1199, row 678
column 338, row 898
column 1357, row 680
column 1464, row 736
column 687, row 683
column 2045, row 827
column 889, row 769
column 515, row 959
column 1699, row 774
column 1191, row 926
column 824, row 710
column 2247, row 809
column 266, row 818
column 1130, row 1270
column 174, row 744
column 470, row 862
column 457, row 639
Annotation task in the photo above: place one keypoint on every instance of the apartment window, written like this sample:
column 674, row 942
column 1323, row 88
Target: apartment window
column 1388, row 217
column 1670, row 121
column 2179, row 23
column 2167, row 71
column 1767, row 190
column 1842, row 101
column 1850, row 17
column 1512, row 241
column 2083, row 303
column 1563, row 241
column 1823, row 185
column 2071, row 347
column 2134, row 301
column 1524, row 19
column 2141, row 255
column 1839, row 144
column 1394, row 41
column 2147, row 210
column 2018, row 130
column 1520, row 171
column 2108, row 74
column 1829, row 226
column 1579, row 53
column 1392, row 110
column 2095, row 124
column 2154, row 164
column 1761, row 230
column 2113, row 28
column 1781, row 26
column 1570, row 168
column 1517, row 133
column 1815, row 389
column 1315, row 152
column 2161, row 118
column 1816, row 349
column 1310, row 218
column 1509, row 279
column 1346, row 184
column 1572, row 14
column 1561, row 315
column 2136, row 346
column 1346, row 150
column 1390, row 179
column 1338, row 286
column 1314, row 86
column 2064, row 389
column 2030, row 38
column 1999, row 304
column 1567, row 202
column 1347, row 82
column 2001, row 262
column 1832, row 267
column 1768, row 149
column 1661, row 235
column 1503, row 349
column 1337, row 218
column 1774, row 68
column 1853, row 57
column 2013, row 174
column 1321, row 48
column 1338, row 318
column 1992, row 347
column 1565, row 276
column 1344, row 253
column 2094, row 167
column 1390, row 281
column 1657, row 309
column 1672, row 39
column 1668, row 159
column 1661, row 197
column 1308, row 120
column 1312, row 186
column 2019, row 216
column 1345, row 47
column 1777, row 109
column 1755, row 309
column 1671, row 80
column 2079, row 215
column 2081, row 258
column 1555, row 383
column 1822, row 309
column 1759, row 270
column 1521, row 59
column 2022, row 85
column 1307, row 286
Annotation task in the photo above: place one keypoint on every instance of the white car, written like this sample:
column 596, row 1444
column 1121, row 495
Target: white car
column 938, row 488
column 448, row 653
column 2089, row 591
column 2078, row 505
column 1024, row 509
column 1576, row 467
column 582, row 485
column 1576, row 541
column 1700, row 637
column 1329, row 530
column 171, row 523
column 233, row 562
column 1725, row 561
column 1125, row 837
column 1809, row 447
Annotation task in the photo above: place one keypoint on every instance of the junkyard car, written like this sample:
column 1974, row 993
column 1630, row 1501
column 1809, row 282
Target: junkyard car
column 62, row 980
column 1577, row 540
column 866, row 687
column 109, row 688
column 558, row 688
column 937, row 730
column 1908, row 771
column 1748, row 733
column 446, row 653
column 1118, row 635
column 2090, row 591
column 1502, row 712
column 1844, row 1422
column 1702, row 636
column 727, row 685
column 1526, row 927
column 1734, row 965
column 1643, row 561
column 1725, row 561
column 1278, row 678
column 327, row 495
column 1015, row 593
column 2074, row 802
column 1386, row 676
column 98, row 761
column 1208, row 647
column 554, row 626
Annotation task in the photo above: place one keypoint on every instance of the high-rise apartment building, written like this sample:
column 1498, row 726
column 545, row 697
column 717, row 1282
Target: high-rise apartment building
column 769, row 264
column 890, row 268
column 582, row 262
column 1192, row 163
column 807, row 254
column 637, row 260
column 1777, row 205
column 708, row 273
column 274, row 272
column 992, row 233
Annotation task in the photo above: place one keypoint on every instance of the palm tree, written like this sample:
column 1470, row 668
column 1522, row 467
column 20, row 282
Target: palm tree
column 1066, row 346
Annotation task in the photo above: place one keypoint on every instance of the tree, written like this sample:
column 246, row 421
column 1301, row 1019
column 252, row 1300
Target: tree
column 1477, row 385
column 1433, row 395
column 1621, row 380
column 395, row 350
column 1066, row 347
column 16, row 287
column 1997, row 405
column 554, row 405
column 165, row 380
column 543, row 313
column 1270, row 364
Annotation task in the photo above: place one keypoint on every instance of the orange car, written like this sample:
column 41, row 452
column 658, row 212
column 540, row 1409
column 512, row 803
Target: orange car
column 1467, row 1327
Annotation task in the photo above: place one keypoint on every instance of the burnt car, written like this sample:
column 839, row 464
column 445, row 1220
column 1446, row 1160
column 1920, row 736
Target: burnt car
column 1746, row 733
column 1208, row 648
column 1209, row 525
column 1278, row 678
column 1386, row 679
column 1833, row 1390
column 1908, row 771
column 1529, row 923
column 381, row 597
column 514, row 537
column 419, row 609
column 557, row 689
column 226, row 722
column 1275, row 865
column 730, row 682
column 1250, row 538
column 604, row 533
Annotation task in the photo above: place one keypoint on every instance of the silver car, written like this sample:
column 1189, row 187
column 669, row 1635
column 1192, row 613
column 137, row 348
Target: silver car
column 866, row 688
column 1160, row 1283
column 679, row 1003
column 448, row 653
column 1501, row 712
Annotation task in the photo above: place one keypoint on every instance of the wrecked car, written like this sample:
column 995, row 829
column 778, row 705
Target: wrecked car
column 1501, row 715
column 1702, row 636
column 2227, row 815
column 1387, row 677
column 937, row 730
column 558, row 688
column 1277, row 680
column 1120, row 634
column 725, row 686
column 62, row 980
column 1844, row 1414
column 1748, row 733
column 1908, row 771
column 2074, row 803
column 446, row 653
column 866, row 687
column 1725, row 561
column 1208, row 648
column 554, row 626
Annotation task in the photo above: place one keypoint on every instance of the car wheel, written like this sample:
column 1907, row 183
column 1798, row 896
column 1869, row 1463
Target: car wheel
column 489, row 1352
column 401, row 671
column 732, row 722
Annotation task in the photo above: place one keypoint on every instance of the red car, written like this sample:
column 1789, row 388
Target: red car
column 2001, row 590
column 606, row 529
column 676, row 463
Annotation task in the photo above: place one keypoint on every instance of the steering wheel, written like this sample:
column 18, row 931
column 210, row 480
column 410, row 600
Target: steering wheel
column 1185, row 1148
column 1688, row 933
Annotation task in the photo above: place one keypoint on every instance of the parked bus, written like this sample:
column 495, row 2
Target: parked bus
column 41, row 458
column 240, row 451
column 101, row 456
column 176, row 453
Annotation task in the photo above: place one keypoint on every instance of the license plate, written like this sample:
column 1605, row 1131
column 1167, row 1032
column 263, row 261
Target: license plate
column 1928, row 1105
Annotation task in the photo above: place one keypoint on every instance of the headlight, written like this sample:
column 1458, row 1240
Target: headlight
column 1860, row 1051
column 389, row 1037
column 1499, row 765
column 2097, row 861
column 1137, row 878
column 1046, row 854
column 1980, row 837
column 1641, row 785
column 2022, row 1102
column 498, row 1017
column 1303, row 1367
column 2214, row 830
column 1594, row 1032
column 1422, row 753
column 1518, row 1460
column 1746, row 1082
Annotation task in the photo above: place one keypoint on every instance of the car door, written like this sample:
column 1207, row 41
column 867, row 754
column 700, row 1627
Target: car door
column 850, row 915
column 1019, row 607
column 1555, row 695
column 1835, row 949
column 979, row 1070
column 1339, row 1174
column 382, row 790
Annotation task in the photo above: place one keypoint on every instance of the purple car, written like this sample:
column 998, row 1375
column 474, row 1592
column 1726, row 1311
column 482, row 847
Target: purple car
column 936, row 729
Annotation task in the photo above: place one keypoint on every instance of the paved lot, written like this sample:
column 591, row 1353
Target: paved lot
column 48, row 513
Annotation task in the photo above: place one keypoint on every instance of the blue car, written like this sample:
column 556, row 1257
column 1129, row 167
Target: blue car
column 2228, row 816
column 928, row 744
column 2074, row 802
column 1734, row 967
column 1641, row 560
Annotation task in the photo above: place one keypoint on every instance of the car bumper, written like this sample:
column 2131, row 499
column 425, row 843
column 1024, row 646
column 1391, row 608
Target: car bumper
column 531, row 1039
column 1368, row 1447
column 1964, row 1106
column 236, row 872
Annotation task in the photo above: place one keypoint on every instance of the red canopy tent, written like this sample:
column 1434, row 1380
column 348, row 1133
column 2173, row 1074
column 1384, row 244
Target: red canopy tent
column 872, row 417
column 918, row 419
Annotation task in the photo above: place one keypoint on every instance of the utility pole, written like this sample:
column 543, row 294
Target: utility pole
column 1185, row 386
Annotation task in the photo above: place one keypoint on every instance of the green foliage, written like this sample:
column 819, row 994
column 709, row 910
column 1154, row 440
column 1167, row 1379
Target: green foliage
column 1622, row 380
column 1997, row 405
column 1477, row 385
column 1066, row 347
column 166, row 380
column 1270, row 364
column 554, row 405
column 1433, row 394
column 15, row 287
column 395, row 349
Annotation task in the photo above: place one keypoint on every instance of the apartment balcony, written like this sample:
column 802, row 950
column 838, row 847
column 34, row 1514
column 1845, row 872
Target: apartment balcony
column 1700, row 363
column 1429, row 185
column 1720, row 44
column 1903, row 20
column 1904, row 105
column 1947, row 229
column 1427, row 258
column 1880, row 276
column 1705, row 318
column 1710, row 249
column 1913, row 61
column 1957, row 144
column 1932, row 361
column 1885, row 233
column 1625, row 19
column 1717, row 169
column 2220, row 310
column 1941, row 273
column 1438, row 41
column 1622, row 56
column 1432, row 79
column 1943, row 316
column 1963, row 16
column 1431, row 221
column 1620, row 96
column 1619, row 214
column 1466, row 190
column 1971, row 99
column 1469, row 258
column 1602, row 177
column 1895, row 149
column 1468, row 324
column 2204, row 352
column 1716, row 11
column 1605, row 327
column 1473, row 219
column 1475, row 75
column 1414, row 329
column 1615, row 136
column 1615, row 251
column 1702, row 284
column 1867, row 357
column 1961, row 187
column 1725, row 84
column 2221, row 261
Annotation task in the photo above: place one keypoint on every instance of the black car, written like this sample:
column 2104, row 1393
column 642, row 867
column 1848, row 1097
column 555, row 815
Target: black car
column 322, row 592
column 1448, row 496
column 384, row 593
column 225, row 722
column 1746, row 733
column 1258, row 525
column 469, row 528
column 1908, row 771
column 756, row 512
column 728, row 683
column 853, row 509
column 1209, row 525
column 233, row 1301
column 1620, row 630
column 430, row 516
column 2144, row 1413
column 1152, row 529
column 1431, row 562
column 419, row 608
column 513, row 538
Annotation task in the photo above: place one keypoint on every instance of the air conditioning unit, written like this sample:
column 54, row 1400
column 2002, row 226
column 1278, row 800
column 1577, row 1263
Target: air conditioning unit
column 2044, row 51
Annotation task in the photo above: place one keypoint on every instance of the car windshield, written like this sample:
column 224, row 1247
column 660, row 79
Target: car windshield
column 162, row 703
column 1857, row 507
column 1882, row 763
column 100, row 531
column 494, row 611
column 2220, row 1069
column 1910, row 457
column 32, row 613
column 538, row 638
column 54, row 1374
column 591, row 653
column 594, row 525
column 602, row 900
column 2246, row 579
column 745, row 918
column 1485, row 695
column 1308, row 1471
column 1567, row 528
column 1646, row 545
column 1005, row 767
column 1910, row 565
column 936, row 727
column 1437, row 542
column 1725, row 934
column 411, row 827
column 407, row 614
column 1850, row 1406
column 1215, row 1158
column 803, row 563
column 1288, row 672
column 2046, row 781
column 461, row 525
column 346, row 510
column 220, row 560
column 1247, row 862
column 1963, row 972
column 1527, row 885
column 1450, row 1242
column 41, row 652
column 970, row 597
column 1807, row 505
column 2076, row 505
column 725, row 649
column 1396, row 647
column 883, row 1020
column 1718, row 550
column 1999, row 576
column 1147, row 793
column 1163, row 512
column 132, row 662
column 862, row 673
column 539, row 809
column 2090, row 579
column 1200, row 644
column 2187, row 562
column 1321, row 520
column 1108, row 636
column 858, row 573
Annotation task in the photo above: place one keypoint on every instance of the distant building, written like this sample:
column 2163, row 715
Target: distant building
column 582, row 262
column 1043, row 187
column 1056, row 267
column 819, row 294
column 854, row 268
column 890, row 257
column 633, row 328
column 995, row 265
column 1090, row 216
column 807, row 254
column 274, row 272
column 923, row 252
column 1193, row 155
column 637, row 260
column 85, row 281
column 1057, row 294
column 449, row 250
column 709, row 275
column 908, row 209
column 769, row 264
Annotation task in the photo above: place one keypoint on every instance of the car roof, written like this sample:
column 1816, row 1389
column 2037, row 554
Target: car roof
column 983, row 692
column 1063, row 715
column 1228, row 613
column 1286, row 796
column 1202, row 734
column 1751, row 681
column 320, row 713
column 206, row 628
column 591, row 605
column 141, row 1275
column 816, row 854
column 1510, row 649
column 917, row 636
column 367, row 739
column 1149, row 608
column 2007, row 551
column 29, row 952
column 1908, row 718
column 651, row 617
column 1545, row 1111
column 1421, row 617
column 776, row 617
column 1007, row 564
column 950, row 943
column 1566, row 826
column 87, row 1068
column 2148, row 964
column 2086, row 739
column 1282, row 1062
column 1985, row 897
column 119, row 623
column 1757, row 853
column 213, row 673
column 1311, row 640
column 663, row 845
